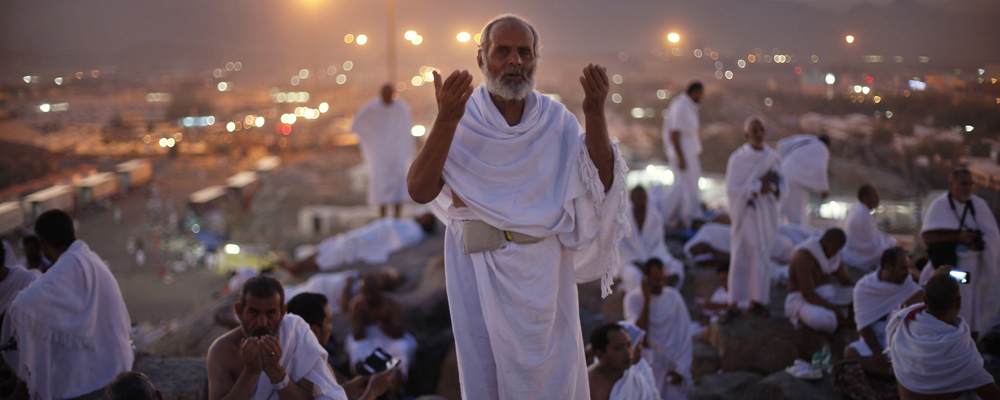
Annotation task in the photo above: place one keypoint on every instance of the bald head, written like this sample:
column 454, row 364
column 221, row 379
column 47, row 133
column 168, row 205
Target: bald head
column 942, row 294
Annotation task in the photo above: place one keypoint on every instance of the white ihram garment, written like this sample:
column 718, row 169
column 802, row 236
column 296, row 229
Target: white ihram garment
column 10, row 259
column 865, row 243
column 682, row 116
column 719, row 237
column 71, row 327
column 931, row 357
column 388, row 147
column 302, row 357
column 372, row 243
column 875, row 300
column 515, row 310
column 404, row 348
column 668, row 336
column 17, row 279
column 980, row 304
column 643, row 245
column 755, row 223
column 798, row 309
column 804, row 165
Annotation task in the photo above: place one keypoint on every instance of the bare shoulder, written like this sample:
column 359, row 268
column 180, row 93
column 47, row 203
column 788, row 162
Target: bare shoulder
column 226, row 349
column 801, row 260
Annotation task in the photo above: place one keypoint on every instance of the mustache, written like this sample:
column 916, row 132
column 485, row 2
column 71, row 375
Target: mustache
column 514, row 70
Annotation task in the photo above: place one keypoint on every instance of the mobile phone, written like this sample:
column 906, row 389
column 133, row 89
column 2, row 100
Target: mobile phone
column 960, row 276
column 377, row 362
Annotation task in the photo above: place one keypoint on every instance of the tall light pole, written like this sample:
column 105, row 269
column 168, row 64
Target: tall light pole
column 390, row 15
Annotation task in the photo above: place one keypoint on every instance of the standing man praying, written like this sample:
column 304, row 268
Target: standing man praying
column 683, row 147
column 532, row 206
column 383, row 127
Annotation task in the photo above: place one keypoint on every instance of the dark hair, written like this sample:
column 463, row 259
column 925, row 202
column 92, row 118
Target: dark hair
column 941, row 293
column 599, row 337
column 131, row 385
column 654, row 262
column 309, row 306
column 836, row 234
column 959, row 171
column 55, row 228
column 261, row 287
column 3, row 256
column 30, row 239
column 824, row 138
column 694, row 87
column 892, row 255
column 722, row 269
column 864, row 191
column 484, row 39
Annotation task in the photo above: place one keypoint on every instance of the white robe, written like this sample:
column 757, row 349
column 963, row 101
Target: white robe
column 874, row 300
column 17, row 279
column 388, row 147
column 404, row 348
column 682, row 116
column 755, row 223
column 798, row 309
column 10, row 259
column 515, row 310
column 301, row 357
column 865, row 243
column 372, row 243
column 804, row 165
column 71, row 327
column 643, row 245
column 931, row 357
column 980, row 304
column 638, row 383
column 719, row 237
column 669, row 338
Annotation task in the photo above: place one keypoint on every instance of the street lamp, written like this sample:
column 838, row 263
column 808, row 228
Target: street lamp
column 464, row 37
column 673, row 37
column 850, row 39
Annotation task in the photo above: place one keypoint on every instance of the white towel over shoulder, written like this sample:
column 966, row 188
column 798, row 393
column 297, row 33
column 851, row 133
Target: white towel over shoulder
column 874, row 299
column 301, row 357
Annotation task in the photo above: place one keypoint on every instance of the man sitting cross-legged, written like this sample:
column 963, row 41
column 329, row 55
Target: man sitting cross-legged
column 932, row 351
column 810, row 293
column 270, row 355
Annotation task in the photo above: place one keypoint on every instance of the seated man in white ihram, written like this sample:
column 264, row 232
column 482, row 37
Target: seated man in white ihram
column 372, row 244
column 960, row 230
column 70, row 325
column 532, row 206
column 754, row 188
column 812, row 300
column 865, row 243
column 661, row 312
column 804, row 162
column 932, row 352
column 646, row 243
column 383, row 127
column 619, row 372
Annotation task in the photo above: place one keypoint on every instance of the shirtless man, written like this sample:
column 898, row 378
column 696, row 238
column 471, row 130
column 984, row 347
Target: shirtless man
column 809, row 273
column 247, row 362
column 613, row 348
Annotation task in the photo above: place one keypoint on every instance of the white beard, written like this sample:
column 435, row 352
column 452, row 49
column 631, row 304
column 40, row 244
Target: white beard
column 496, row 86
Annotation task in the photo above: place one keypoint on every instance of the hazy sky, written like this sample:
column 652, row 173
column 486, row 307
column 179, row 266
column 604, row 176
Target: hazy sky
column 199, row 33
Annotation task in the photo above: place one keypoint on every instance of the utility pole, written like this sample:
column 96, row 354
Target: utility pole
column 390, row 8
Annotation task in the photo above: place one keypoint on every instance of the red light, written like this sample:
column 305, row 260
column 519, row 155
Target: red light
column 286, row 129
column 277, row 127
column 798, row 70
column 869, row 79
column 330, row 147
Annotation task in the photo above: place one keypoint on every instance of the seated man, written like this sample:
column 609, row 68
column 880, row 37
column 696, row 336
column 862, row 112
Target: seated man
column 933, row 353
column 377, row 322
column 270, row 355
column 717, row 305
column 865, row 243
column 70, row 325
column 810, row 292
column 33, row 257
column 615, row 375
column 661, row 312
column 646, row 243
column 13, row 279
column 315, row 310
column 711, row 244
column 132, row 385
column 372, row 243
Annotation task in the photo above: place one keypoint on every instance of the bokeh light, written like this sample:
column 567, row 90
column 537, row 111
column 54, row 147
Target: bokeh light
column 362, row 39
column 673, row 37
column 348, row 38
column 464, row 37
column 418, row 130
column 850, row 39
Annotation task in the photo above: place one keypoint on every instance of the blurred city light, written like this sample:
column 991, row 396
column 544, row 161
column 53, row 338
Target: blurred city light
column 362, row 39
column 417, row 40
column 341, row 79
column 348, row 65
column 348, row 38
column 888, row 114
column 259, row 121
column 464, row 37
column 303, row 73
column 295, row 80
column 741, row 63
column 477, row 37
column 814, row 58
column 865, row 90
column 418, row 130
column 417, row 81
column 830, row 79
column 768, row 102
column 223, row 86
column 850, row 39
column 661, row 94
column 163, row 142
column 231, row 126
column 616, row 79
column 698, row 53
column 324, row 107
column 968, row 128
column 617, row 98
column 729, row 74
column 229, row 66
column 59, row 80
column 857, row 88
column 673, row 37
column 232, row 249
column 638, row 112
column 409, row 35
column 46, row 107
column 237, row 66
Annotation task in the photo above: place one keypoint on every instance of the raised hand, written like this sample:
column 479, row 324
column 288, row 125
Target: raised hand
column 595, row 89
column 452, row 94
column 270, row 352
column 250, row 353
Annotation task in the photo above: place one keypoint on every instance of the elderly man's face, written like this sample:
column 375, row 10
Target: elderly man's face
column 508, row 64
column 961, row 187
column 755, row 135
column 261, row 316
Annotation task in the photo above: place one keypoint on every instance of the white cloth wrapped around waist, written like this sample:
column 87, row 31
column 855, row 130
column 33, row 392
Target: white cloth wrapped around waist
column 932, row 357
column 795, row 300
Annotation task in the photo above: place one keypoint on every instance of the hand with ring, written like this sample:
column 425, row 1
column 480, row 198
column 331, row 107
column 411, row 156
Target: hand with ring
column 271, row 354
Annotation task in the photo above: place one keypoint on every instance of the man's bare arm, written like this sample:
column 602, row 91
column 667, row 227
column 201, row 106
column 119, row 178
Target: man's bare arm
column 802, row 266
column 939, row 236
column 868, row 334
column 221, row 385
column 424, row 181
column 595, row 88
column 843, row 277
column 675, row 138
column 393, row 325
